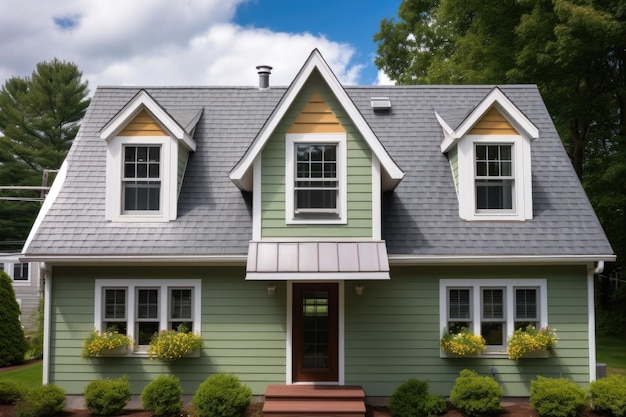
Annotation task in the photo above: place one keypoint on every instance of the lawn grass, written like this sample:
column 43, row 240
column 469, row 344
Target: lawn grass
column 612, row 351
column 27, row 376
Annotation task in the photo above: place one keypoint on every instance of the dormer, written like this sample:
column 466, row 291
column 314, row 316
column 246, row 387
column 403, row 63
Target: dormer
column 489, row 149
column 147, row 153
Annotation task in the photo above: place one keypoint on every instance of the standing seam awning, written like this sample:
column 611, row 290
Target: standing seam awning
column 317, row 260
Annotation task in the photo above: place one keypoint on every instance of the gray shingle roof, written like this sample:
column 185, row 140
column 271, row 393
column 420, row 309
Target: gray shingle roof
column 419, row 218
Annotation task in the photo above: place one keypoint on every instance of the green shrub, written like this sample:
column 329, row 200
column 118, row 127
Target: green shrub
column 412, row 399
column 13, row 345
column 44, row 401
column 608, row 395
column 221, row 395
column 107, row 397
column 476, row 395
column 10, row 392
column 163, row 395
column 557, row 397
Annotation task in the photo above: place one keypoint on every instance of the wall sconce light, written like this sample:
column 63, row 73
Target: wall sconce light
column 271, row 289
column 359, row 289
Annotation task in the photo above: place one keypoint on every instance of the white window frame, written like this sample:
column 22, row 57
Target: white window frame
column 476, row 286
column 145, row 180
column 131, row 287
column 338, row 139
column 9, row 269
column 522, row 179
column 168, row 177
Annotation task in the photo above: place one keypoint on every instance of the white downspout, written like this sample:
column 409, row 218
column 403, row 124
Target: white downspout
column 591, row 272
column 47, row 294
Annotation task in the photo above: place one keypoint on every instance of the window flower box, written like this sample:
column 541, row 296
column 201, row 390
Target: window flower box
column 530, row 342
column 109, row 343
column 464, row 343
column 170, row 345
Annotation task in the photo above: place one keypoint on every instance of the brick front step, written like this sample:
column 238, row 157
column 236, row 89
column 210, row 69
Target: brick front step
column 314, row 401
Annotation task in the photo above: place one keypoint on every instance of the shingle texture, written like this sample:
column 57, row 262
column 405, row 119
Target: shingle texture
column 420, row 217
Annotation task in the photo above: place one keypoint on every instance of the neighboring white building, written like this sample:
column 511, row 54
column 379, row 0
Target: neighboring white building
column 26, row 283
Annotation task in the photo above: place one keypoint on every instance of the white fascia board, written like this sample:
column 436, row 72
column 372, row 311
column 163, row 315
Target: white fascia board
column 50, row 199
column 448, row 134
column 497, row 259
column 315, row 61
column 504, row 104
column 322, row 276
column 133, row 107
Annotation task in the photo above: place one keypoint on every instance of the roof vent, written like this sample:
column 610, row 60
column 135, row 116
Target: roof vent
column 381, row 104
column 264, row 72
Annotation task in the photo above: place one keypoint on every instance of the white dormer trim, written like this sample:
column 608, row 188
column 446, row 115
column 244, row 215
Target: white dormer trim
column 141, row 101
column 495, row 98
column 241, row 173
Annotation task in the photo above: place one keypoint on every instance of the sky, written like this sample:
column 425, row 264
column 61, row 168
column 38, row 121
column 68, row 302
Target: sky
column 192, row 42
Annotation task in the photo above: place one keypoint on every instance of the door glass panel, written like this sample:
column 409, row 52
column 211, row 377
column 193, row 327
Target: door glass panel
column 315, row 329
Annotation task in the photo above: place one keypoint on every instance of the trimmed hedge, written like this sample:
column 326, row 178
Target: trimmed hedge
column 476, row 395
column 557, row 397
column 412, row 399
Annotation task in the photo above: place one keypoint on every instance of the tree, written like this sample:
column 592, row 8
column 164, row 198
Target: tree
column 13, row 345
column 573, row 50
column 39, row 118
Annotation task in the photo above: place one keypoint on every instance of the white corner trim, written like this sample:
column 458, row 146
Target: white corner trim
column 591, row 320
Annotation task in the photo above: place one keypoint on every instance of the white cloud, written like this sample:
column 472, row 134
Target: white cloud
column 383, row 79
column 156, row 42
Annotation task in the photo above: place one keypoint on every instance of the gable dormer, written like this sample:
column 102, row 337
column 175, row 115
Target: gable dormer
column 489, row 149
column 147, row 153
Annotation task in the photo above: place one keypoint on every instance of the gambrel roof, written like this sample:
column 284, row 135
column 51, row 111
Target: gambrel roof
column 420, row 216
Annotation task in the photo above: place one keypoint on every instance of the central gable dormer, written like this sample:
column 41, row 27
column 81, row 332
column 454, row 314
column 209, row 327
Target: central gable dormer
column 147, row 152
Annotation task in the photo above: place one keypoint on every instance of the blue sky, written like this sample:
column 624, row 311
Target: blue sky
column 347, row 21
column 192, row 42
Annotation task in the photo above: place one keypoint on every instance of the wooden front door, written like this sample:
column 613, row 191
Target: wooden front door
column 315, row 332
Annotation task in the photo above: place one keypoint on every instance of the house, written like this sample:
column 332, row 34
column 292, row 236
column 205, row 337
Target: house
column 25, row 278
column 318, row 234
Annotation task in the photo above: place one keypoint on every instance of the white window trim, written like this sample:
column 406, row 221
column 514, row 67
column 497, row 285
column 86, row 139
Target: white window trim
column 340, row 139
column 475, row 286
column 9, row 269
column 522, row 187
column 115, row 170
column 131, row 287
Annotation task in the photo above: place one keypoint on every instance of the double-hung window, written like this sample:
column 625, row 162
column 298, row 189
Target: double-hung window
column 316, row 178
column 494, row 177
column 141, row 182
column 142, row 308
column 491, row 309
column 20, row 271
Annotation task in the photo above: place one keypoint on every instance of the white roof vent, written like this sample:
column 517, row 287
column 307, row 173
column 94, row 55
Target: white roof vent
column 381, row 104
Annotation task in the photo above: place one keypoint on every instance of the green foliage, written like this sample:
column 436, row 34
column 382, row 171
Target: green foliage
column 163, row 395
column 13, row 345
column 44, row 401
column 10, row 392
column 476, row 395
column 557, row 397
column 39, row 118
column 35, row 350
column 608, row 395
column 412, row 399
column 107, row 397
column 221, row 395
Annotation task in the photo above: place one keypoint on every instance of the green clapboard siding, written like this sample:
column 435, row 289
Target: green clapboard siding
column 359, row 170
column 391, row 331
column 243, row 330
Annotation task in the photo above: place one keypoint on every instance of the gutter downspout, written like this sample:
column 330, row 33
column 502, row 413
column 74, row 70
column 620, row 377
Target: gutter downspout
column 47, row 294
column 591, row 299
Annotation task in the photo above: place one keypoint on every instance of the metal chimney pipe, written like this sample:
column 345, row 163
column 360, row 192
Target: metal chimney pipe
column 264, row 72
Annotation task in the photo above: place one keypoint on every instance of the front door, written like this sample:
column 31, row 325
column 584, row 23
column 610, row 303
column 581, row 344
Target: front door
column 315, row 332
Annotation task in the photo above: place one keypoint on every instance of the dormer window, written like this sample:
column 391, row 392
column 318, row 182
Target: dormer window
column 494, row 177
column 316, row 183
column 316, row 178
column 141, row 182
